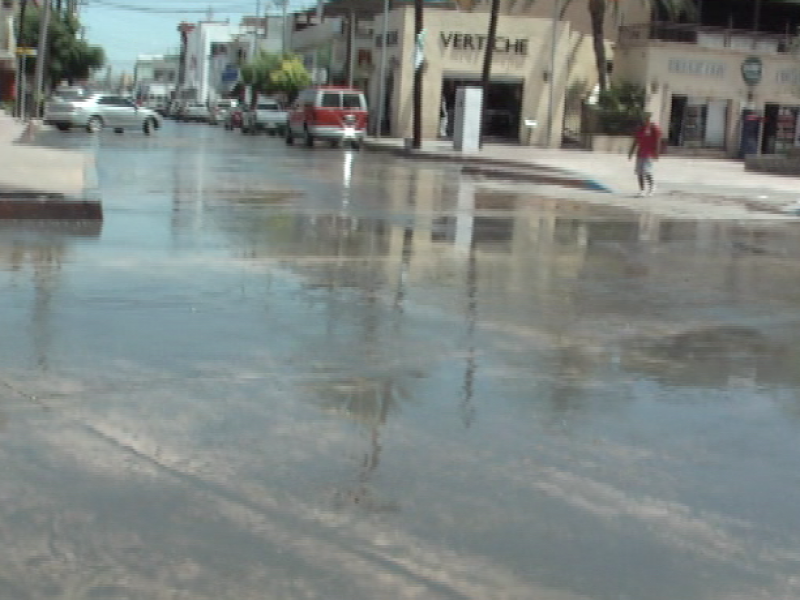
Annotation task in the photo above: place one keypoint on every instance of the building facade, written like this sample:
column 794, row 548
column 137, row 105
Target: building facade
column 736, row 92
column 204, row 42
column 156, row 69
column 539, row 54
column 8, row 49
column 212, row 53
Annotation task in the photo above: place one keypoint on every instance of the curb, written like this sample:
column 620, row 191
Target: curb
column 24, row 206
column 563, row 180
column 500, row 168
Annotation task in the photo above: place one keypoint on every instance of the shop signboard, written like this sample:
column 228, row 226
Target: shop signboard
column 752, row 70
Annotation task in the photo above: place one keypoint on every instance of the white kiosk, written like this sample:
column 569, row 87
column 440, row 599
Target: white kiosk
column 467, row 125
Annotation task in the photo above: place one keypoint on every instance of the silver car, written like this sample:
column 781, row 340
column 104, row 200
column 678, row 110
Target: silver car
column 95, row 111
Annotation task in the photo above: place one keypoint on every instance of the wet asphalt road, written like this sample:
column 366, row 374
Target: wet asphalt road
column 277, row 373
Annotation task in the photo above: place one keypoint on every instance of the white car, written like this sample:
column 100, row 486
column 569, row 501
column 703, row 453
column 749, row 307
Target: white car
column 194, row 111
column 267, row 115
column 96, row 111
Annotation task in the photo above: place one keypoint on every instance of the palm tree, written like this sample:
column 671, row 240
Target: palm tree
column 598, row 9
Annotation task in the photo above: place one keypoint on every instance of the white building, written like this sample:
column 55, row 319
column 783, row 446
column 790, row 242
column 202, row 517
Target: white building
column 207, row 40
column 156, row 68
column 214, row 52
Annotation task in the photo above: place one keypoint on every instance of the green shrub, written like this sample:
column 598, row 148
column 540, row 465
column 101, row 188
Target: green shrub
column 620, row 109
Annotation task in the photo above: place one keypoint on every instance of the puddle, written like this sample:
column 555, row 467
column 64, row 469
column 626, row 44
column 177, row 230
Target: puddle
column 400, row 382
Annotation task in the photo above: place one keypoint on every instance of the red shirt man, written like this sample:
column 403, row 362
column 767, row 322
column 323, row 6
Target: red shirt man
column 647, row 145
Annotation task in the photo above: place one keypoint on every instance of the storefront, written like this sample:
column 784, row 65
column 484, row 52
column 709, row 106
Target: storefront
column 728, row 99
column 454, row 47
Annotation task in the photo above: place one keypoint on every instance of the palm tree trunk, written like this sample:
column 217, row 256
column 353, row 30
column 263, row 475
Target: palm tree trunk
column 416, row 135
column 597, row 11
column 487, row 60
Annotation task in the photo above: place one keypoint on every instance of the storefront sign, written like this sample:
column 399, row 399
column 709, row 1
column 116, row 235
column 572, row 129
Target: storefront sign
column 752, row 70
column 701, row 68
column 788, row 77
column 475, row 41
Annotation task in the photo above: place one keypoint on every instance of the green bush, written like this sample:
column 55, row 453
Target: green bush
column 620, row 109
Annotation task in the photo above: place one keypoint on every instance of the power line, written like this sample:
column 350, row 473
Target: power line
column 161, row 9
column 241, row 8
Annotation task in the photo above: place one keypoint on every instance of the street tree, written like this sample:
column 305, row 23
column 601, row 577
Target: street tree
column 68, row 56
column 273, row 73
column 290, row 77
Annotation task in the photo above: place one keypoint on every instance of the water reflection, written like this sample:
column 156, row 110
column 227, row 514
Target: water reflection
column 712, row 356
column 41, row 248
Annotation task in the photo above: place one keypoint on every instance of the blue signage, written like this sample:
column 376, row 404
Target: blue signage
column 230, row 74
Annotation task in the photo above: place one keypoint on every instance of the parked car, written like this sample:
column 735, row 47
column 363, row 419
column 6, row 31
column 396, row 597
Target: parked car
column 174, row 108
column 334, row 114
column 219, row 112
column 95, row 111
column 266, row 115
column 194, row 111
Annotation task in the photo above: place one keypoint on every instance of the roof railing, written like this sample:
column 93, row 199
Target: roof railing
column 707, row 37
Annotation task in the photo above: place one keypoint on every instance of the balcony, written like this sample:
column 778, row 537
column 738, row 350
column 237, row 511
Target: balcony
column 706, row 37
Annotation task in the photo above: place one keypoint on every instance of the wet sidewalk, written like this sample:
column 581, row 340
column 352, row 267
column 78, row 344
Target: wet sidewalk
column 701, row 181
column 32, row 169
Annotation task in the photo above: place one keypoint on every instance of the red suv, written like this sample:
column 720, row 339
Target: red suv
column 337, row 115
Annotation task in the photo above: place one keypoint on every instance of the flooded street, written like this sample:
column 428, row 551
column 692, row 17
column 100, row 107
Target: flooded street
column 283, row 373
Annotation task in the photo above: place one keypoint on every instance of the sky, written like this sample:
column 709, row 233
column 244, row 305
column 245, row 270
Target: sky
column 127, row 28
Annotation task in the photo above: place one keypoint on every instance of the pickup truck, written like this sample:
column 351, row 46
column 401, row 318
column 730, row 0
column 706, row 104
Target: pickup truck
column 267, row 115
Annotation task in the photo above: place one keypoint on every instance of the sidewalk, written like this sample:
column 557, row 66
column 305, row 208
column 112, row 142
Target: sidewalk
column 700, row 187
column 31, row 170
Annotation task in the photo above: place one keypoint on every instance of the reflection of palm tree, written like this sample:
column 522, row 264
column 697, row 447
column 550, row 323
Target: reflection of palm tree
column 46, row 260
column 466, row 406
column 368, row 402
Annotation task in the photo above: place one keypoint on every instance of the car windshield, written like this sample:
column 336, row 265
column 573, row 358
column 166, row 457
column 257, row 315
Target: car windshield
column 269, row 106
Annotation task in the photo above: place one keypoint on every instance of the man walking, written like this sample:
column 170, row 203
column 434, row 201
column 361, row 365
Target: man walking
column 646, row 145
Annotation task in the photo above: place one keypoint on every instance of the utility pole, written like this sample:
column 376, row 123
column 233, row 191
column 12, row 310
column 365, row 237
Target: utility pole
column 382, row 70
column 41, row 56
column 315, row 60
column 551, row 79
column 416, row 140
column 283, row 4
column 487, row 61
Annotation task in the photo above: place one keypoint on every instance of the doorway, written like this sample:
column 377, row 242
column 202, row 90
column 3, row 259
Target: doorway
column 698, row 122
column 503, row 106
column 769, row 136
